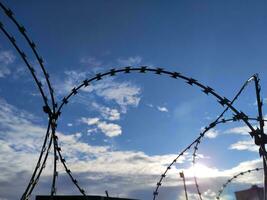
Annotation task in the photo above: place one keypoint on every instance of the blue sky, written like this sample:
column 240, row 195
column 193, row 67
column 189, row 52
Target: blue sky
column 122, row 131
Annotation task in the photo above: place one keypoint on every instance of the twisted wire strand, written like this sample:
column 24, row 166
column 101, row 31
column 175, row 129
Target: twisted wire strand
column 55, row 173
column 233, row 178
column 261, row 138
column 213, row 124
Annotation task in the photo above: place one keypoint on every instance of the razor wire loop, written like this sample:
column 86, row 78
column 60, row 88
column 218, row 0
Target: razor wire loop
column 38, row 83
column 46, row 108
column 233, row 178
column 32, row 46
column 214, row 123
column 142, row 69
column 201, row 135
column 24, row 58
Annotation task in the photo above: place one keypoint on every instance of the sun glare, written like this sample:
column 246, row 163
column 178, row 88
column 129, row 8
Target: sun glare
column 202, row 171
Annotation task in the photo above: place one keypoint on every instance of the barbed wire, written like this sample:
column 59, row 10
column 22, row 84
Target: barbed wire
column 24, row 58
column 34, row 180
column 223, row 101
column 235, row 118
column 46, row 107
column 43, row 165
column 196, row 147
column 32, row 46
column 142, row 69
column 68, row 171
column 233, row 178
column 212, row 125
column 54, row 112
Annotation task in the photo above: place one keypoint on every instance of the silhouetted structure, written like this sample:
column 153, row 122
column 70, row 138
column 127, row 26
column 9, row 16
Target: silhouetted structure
column 65, row 197
column 254, row 193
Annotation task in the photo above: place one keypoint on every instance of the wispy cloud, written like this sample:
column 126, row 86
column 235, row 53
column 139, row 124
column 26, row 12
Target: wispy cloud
column 71, row 79
column 106, row 112
column 159, row 108
column 162, row 109
column 131, row 61
column 21, row 139
column 212, row 133
column 6, row 58
column 245, row 145
column 241, row 130
column 109, row 129
column 124, row 94
column 97, row 167
column 91, row 61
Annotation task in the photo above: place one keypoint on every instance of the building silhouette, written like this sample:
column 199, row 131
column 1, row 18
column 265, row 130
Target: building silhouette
column 254, row 193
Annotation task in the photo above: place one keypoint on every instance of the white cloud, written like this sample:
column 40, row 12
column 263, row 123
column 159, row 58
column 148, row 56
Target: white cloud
column 69, row 124
column 162, row 109
column 4, row 71
column 19, row 148
column 131, row 61
column 98, row 167
column 247, row 145
column 242, row 130
column 150, row 105
column 106, row 112
column 91, row 61
column 159, row 108
column 124, row 94
column 109, row 129
column 6, row 58
column 90, row 131
column 212, row 133
column 90, row 121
